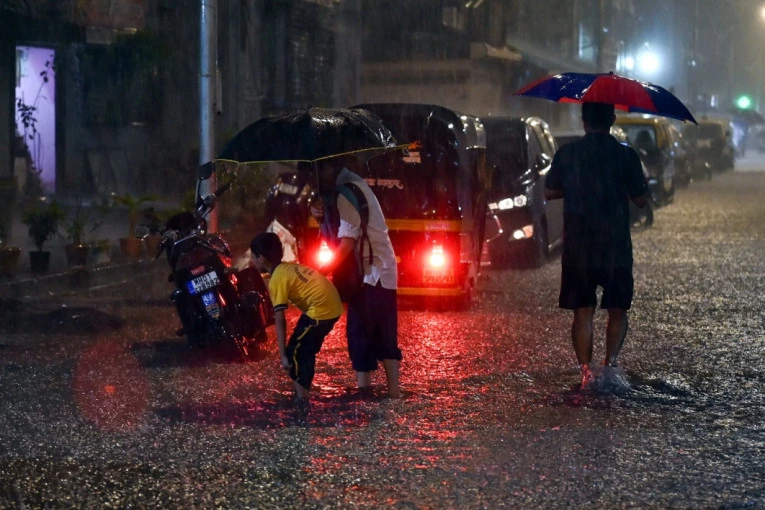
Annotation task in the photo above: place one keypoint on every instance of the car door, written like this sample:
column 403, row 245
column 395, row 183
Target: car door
column 541, row 150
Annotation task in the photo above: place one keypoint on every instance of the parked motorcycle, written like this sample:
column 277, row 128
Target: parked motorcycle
column 287, row 211
column 219, row 305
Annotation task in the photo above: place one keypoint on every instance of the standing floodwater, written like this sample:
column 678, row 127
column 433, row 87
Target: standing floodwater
column 103, row 405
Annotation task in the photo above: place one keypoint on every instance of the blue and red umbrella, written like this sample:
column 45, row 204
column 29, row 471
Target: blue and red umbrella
column 624, row 93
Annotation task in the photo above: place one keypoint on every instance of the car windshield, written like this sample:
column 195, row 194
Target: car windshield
column 505, row 150
column 641, row 136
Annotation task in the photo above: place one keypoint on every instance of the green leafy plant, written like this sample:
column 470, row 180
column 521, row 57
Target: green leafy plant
column 83, row 221
column 133, row 204
column 43, row 220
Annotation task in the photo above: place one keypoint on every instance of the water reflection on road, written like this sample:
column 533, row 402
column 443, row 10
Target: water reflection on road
column 492, row 415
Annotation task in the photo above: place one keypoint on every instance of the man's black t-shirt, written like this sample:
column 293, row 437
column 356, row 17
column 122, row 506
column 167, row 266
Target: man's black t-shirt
column 597, row 175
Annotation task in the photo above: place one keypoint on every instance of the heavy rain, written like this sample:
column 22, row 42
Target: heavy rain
column 125, row 120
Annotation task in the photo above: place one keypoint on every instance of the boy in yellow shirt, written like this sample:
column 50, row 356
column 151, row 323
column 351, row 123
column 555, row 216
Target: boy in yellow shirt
column 313, row 294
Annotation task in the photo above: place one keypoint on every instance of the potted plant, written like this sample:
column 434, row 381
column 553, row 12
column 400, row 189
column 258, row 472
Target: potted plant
column 153, row 219
column 130, row 244
column 42, row 219
column 79, row 224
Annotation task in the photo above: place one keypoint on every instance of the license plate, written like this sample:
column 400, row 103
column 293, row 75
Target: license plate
column 439, row 276
column 289, row 189
column 203, row 282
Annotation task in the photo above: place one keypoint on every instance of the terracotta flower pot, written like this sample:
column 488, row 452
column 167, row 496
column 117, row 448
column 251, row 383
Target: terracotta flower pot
column 152, row 244
column 77, row 254
column 131, row 247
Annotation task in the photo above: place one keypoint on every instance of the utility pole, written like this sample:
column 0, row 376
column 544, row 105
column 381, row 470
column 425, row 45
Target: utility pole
column 694, row 56
column 600, row 41
column 208, row 57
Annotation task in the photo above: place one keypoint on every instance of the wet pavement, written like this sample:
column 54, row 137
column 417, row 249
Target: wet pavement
column 103, row 407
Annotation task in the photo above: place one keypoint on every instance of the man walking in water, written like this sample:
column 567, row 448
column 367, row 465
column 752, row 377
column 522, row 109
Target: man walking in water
column 596, row 176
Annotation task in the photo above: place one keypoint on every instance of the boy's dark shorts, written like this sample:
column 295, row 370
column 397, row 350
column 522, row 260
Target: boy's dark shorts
column 372, row 327
column 304, row 345
column 579, row 285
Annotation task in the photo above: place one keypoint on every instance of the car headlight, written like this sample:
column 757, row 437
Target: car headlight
column 509, row 203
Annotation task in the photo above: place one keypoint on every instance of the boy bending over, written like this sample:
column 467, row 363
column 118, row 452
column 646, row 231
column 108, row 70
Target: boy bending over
column 313, row 294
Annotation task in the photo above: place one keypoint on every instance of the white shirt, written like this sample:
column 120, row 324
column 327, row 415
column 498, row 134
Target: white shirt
column 383, row 267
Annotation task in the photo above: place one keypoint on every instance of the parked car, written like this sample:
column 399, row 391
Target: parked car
column 658, row 143
column 522, row 228
column 639, row 216
column 713, row 143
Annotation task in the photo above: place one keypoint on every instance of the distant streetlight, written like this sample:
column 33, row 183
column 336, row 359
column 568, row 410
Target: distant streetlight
column 648, row 62
column 762, row 12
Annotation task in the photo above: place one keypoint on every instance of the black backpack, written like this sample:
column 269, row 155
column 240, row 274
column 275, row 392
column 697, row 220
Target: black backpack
column 348, row 275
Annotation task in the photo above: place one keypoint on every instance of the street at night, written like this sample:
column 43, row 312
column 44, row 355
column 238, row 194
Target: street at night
column 104, row 407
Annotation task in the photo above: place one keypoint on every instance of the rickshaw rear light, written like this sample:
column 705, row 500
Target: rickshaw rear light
column 437, row 258
column 325, row 255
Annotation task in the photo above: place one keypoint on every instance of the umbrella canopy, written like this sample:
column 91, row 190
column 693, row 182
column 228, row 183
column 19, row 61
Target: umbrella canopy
column 309, row 135
column 624, row 93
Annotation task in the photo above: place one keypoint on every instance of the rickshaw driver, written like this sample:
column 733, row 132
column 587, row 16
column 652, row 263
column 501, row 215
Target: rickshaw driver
column 372, row 325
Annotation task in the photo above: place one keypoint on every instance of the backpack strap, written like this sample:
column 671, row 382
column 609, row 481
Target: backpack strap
column 357, row 199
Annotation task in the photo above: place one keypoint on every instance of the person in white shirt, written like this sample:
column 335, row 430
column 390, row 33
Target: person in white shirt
column 372, row 327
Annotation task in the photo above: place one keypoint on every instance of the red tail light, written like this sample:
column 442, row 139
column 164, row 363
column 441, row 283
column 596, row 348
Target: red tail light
column 325, row 255
column 437, row 258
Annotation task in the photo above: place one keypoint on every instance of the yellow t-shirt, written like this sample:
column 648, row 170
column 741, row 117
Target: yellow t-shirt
column 309, row 290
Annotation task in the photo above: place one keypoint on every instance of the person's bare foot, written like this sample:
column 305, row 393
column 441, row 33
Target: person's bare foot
column 586, row 376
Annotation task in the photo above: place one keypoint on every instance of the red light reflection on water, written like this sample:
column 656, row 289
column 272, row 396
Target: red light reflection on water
column 110, row 388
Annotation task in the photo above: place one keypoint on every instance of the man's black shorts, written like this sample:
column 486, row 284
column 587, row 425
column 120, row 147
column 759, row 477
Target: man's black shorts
column 304, row 345
column 372, row 327
column 578, row 287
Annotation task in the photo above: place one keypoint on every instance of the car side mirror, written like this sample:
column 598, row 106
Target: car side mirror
column 541, row 161
column 205, row 171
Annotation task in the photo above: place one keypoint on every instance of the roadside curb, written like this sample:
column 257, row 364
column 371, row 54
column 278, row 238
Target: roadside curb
column 135, row 275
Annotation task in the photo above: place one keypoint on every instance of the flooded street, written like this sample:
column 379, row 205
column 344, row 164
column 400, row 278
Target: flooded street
column 104, row 407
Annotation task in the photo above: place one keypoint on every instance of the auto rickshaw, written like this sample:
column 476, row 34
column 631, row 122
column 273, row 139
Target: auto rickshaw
column 658, row 143
column 433, row 196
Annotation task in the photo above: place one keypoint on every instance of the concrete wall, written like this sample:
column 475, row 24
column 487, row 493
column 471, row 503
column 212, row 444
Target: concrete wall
column 7, row 131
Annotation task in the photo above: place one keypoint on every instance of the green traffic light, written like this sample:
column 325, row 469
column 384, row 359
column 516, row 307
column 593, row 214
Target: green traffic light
column 743, row 102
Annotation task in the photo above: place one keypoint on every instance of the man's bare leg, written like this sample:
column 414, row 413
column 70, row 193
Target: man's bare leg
column 581, row 334
column 391, row 372
column 363, row 379
column 616, row 332
column 581, row 337
column 301, row 393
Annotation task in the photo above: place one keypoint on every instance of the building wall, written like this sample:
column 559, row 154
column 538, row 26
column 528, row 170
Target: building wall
column 459, row 85
column 7, row 130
